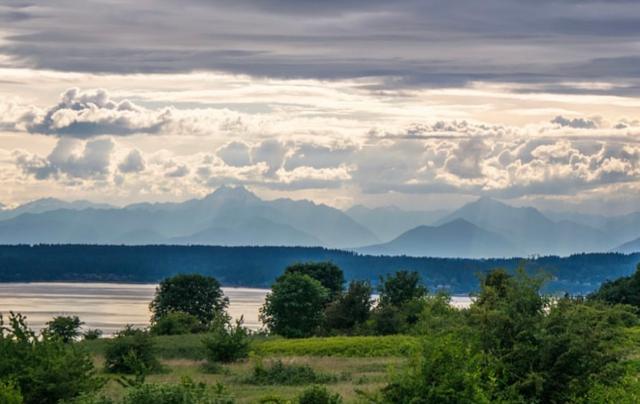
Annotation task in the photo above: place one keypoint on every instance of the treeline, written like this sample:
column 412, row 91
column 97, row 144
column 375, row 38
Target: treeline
column 259, row 266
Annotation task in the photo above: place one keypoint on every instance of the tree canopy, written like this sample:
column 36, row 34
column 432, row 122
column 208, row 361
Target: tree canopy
column 294, row 307
column 194, row 294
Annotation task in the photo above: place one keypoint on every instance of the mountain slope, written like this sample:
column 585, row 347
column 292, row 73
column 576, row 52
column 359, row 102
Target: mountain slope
column 530, row 231
column 630, row 247
column 255, row 231
column 390, row 221
column 50, row 204
column 458, row 238
column 244, row 217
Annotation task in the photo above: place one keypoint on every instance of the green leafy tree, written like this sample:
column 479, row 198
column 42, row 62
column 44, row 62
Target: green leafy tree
column 327, row 273
column 67, row 328
column 45, row 369
column 624, row 290
column 198, row 295
column 400, row 288
column 400, row 303
column 294, row 307
column 351, row 308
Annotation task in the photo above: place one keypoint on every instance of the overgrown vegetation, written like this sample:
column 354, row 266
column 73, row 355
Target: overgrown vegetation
column 514, row 344
column 280, row 373
column 131, row 351
column 41, row 368
column 226, row 342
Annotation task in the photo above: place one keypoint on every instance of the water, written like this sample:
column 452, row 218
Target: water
column 107, row 306
column 110, row 306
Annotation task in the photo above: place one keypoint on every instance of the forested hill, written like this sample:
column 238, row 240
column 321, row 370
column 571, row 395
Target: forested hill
column 258, row 266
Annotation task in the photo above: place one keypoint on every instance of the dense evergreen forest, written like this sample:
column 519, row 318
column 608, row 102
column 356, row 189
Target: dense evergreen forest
column 259, row 266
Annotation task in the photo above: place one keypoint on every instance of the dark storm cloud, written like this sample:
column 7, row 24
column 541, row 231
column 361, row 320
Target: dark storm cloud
column 410, row 43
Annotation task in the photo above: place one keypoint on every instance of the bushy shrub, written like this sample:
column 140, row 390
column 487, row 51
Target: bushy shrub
column 287, row 374
column 226, row 342
column 186, row 392
column 67, row 328
column 177, row 323
column 10, row 394
column 446, row 371
column 92, row 334
column 131, row 352
column 318, row 395
column 45, row 369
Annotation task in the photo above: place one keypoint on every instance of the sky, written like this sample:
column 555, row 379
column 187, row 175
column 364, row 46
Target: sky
column 423, row 104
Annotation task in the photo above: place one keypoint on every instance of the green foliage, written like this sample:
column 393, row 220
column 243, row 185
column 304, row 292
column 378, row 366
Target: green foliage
column 388, row 319
column 447, row 371
column 186, row 392
column 226, row 342
column 399, row 304
column 362, row 347
column 92, row 334
column 176, row 323
column 45, row 369
column 350, row 309
column 400, row 288
column 10, row 394
column 198, row 295
column 327, row 273
column 279, row 373
column 581, row 344
column 515, row 345
column 438, row 316
column 67, row 328
column 294, row 308
column 131, row 351
column 318, row 395
column 624, row 290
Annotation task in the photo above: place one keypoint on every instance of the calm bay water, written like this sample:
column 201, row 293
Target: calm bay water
column 110, row 306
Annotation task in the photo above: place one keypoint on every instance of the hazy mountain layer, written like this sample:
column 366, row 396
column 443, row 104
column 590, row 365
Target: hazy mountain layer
column 458, row 238
column 229, row 216
column 389, row 222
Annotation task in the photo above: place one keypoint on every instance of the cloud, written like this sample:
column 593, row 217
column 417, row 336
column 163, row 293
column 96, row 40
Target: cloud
column 132, row 163
column 409, row 43
column 93, row 113
column 236, row 154
column 72, row 158
column 578, row 123
column 178, row 172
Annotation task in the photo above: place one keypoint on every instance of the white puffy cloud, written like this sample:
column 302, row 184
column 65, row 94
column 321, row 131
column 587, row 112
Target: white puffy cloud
column 71, row 157
column 92, row 113
column 132, row 163
column 236, row 154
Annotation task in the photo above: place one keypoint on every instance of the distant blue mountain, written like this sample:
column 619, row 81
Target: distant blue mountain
column 389, row 222
column 629, row 247
column 228, row 216
column 530, row 231
column 458, row 238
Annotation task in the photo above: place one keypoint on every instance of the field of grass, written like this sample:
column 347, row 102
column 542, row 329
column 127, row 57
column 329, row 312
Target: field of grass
column 349, row 364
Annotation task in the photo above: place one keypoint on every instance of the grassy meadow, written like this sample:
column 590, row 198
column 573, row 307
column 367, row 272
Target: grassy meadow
column 351, row 363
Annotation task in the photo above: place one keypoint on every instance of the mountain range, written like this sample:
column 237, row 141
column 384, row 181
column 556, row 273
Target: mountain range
column 233, row 216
